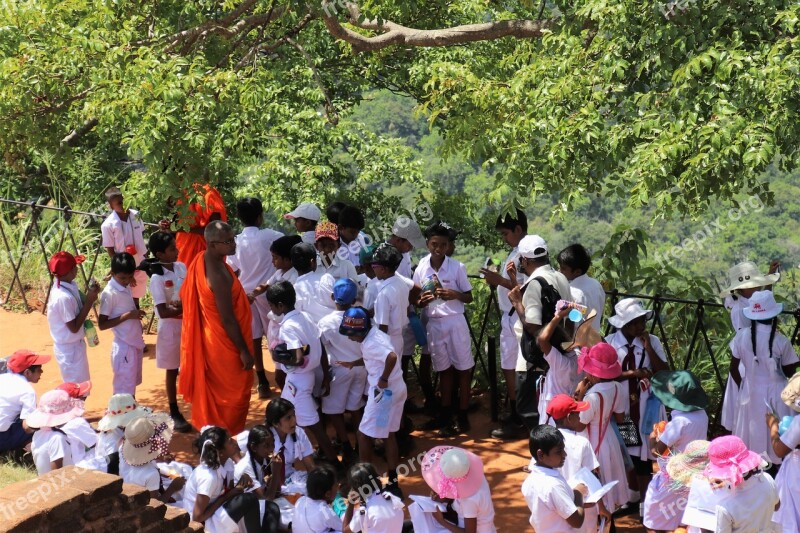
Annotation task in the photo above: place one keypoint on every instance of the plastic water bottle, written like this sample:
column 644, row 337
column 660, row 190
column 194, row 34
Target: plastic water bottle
column 384, row 408
column 91, row 334
column 169, row 291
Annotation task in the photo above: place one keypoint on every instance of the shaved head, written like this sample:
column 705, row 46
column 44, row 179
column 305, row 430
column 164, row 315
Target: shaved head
column 217, row 231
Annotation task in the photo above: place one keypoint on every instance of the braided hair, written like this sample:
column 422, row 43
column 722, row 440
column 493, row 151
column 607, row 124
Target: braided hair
column 773, row 330
column 258, row 434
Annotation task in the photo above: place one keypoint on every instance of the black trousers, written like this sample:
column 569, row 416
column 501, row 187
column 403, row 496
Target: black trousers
column 245, row 506
column 528, row 398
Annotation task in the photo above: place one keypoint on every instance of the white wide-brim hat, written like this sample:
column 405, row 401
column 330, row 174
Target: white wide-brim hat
column 762, row 306
column 627, row 310
column 746, row 275
column 122, row 408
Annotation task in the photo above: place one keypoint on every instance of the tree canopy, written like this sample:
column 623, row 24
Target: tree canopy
column 671, row 106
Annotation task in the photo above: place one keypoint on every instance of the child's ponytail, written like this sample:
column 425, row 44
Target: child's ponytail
column 208, row 445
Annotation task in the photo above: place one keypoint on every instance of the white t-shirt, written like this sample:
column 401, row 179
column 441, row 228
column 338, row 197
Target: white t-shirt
column 253, row 259
column 314, row 516
column 550, row 500
column 81, row 436
column 502, row 292
column 375, row 349
column 17, row 399
column 62, row 307
column 750, row 506
column 206, row 481
column 479, row 506
column 383, row 514
column 391, row 304
column 452, row 275
column 50, row 445
column 684, row 428
column 594, row 296
column 158, row 287
column 339, row 347
column 293, row 449
column 118, row 234
column 298, row 331
column 114, row 301
column 310, row 297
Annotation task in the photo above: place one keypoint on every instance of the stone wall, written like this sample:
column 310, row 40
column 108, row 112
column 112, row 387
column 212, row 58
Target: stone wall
column 73, row 500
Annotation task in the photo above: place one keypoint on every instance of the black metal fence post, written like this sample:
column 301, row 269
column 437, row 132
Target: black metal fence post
column 493, row 388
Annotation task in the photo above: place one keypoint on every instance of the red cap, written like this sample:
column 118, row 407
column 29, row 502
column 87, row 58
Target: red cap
column 76, row 390
column 62, row 262
column 562, row 405
column 21, row 360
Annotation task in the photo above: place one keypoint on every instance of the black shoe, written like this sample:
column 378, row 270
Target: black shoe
column 264, row 392
column 181, row 425
column 393, row 487
column 450, row 430
column 509, row 432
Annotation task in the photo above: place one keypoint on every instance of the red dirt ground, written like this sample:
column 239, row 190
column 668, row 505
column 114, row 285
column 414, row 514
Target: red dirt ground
column 503, row 461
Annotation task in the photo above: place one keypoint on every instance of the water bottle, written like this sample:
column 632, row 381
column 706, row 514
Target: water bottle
column 91, row 334
column 169, row 291
column 384, row 407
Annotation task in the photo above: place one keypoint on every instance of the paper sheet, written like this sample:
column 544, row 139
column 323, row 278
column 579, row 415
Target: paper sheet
column 427, row 504
column 596, row 490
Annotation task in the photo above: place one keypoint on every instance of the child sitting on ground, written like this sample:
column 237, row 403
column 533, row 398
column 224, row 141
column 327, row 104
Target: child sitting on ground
column 50, row 446
column 378, row 511
column 81, row 435
column 122, row 409
column 291, row 443
column 313, row 513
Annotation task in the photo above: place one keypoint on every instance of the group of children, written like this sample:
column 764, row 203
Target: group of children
column 341, row 321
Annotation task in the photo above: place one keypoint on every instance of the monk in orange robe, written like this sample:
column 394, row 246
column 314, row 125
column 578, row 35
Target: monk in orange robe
column 216, row 374
column 192, row 242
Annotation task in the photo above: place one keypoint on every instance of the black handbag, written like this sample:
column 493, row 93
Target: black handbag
column 630, row 433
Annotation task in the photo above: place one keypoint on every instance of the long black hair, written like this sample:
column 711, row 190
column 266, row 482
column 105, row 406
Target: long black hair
column 363, row 479
column 216, row 437
column 277, row 409
column 258, row 434
column 774, row 322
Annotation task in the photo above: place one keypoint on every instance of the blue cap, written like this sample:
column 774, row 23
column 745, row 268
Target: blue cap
column 355, row 322
column 344, row 291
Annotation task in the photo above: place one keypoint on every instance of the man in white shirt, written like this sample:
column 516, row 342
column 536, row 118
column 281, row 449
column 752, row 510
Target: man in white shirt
column 18, row 399
column 123, row 232
column 574, row 262
column 252, row 262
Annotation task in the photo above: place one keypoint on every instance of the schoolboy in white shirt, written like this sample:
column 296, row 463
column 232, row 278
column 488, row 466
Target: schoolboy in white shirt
column 445, row 290
column 301, row 338
column 555, row 507
column 305, row 217
column 349, row 223
column 254, row 266
column 326, row 241
column 574, row 262
column 66, row 313
column 18, row 398
column 391, row 301
column 123, row 232
column 119, row 313
column 309, row 296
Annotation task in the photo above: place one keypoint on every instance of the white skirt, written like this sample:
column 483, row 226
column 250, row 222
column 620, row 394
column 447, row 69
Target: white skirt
column 788, row 483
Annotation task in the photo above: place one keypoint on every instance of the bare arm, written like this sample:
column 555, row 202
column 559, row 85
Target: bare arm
column 388, row 366
column 103, row 322
column 780, row 449
column 76, row 324
column 734, row 371
column 547, row 331
column 576, row 519
column 221, row 283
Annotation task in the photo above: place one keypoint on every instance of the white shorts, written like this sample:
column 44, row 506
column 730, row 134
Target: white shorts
column 298, row 389
column 369, row 422
column 126, row 363
column 260, row 309
column 449, row 341
column 409, row 341
column 509, row 344
column 72, row 361
column 168, row 344
column 141, row 284
column 347, row 390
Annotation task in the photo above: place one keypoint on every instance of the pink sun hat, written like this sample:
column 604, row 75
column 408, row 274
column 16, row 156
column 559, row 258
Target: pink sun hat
column 55, row 408
column 729, row 459
column 452, row 472
column 601, row 360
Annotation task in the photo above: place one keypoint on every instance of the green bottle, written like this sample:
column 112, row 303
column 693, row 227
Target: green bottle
column 91, row 334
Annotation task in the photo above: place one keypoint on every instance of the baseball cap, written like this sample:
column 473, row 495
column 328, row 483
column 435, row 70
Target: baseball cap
column 532, row 246
column 111, row 192
column 326, row 230
column 22, row 360
column 76, row 390
column 365, row 254
column 304, row 210
column 344, row 291
column 62, row 262
column 562, row 405
column 354, row 322
column 408, row 229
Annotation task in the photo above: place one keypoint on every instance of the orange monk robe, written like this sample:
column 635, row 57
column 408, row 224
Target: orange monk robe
column 211, row 376
column 190, row 244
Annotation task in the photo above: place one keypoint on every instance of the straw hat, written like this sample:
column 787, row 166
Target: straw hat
column 452, row 472
column 680, row 390
column 627, row 310
column 729, row 459
column 682, row 467
column 585, row 334
column 147, row 438
column 762, row 306
column 791, row 393
column 747, row 276
column 601, row 360
column 122, row 408
column 56, row 407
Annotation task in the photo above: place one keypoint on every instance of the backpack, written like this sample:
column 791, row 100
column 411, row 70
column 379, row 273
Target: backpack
column 530, row 347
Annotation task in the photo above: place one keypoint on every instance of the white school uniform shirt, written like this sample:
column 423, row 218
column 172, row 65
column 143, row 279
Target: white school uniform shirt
column 49, row 445
column 452, row 275
column 245, row 466
column 371, row 288
column 297, row 330
column 293, row 449
column 404, row 269
column 208, row 482
column 749, row 507
column 309, row 296
column 339, row 268
column 82, row 438
column 283, row 275
column 736, row 307
column 502, row 292
column 479, row 506
column 118, row 234
column 550, row 500
column 146, row 475
column 338, row 347
column 314, row 516
column 158, row 289
column 383, row 514
column 683, row 428
column 391, row 307
column 62, row 307
column 594, row 296
column 114, row 301
column 561, row 378
column 375, row 349
column 351, row 250
column 17, row 399
column 309, row 237
column 253, row 259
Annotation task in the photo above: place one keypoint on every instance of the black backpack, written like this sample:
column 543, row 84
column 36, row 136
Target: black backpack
column 530, row 347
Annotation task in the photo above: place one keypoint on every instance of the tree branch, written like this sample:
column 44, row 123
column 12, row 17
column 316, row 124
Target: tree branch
column 396, row 34
column 330, row 110
column 77, row 133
